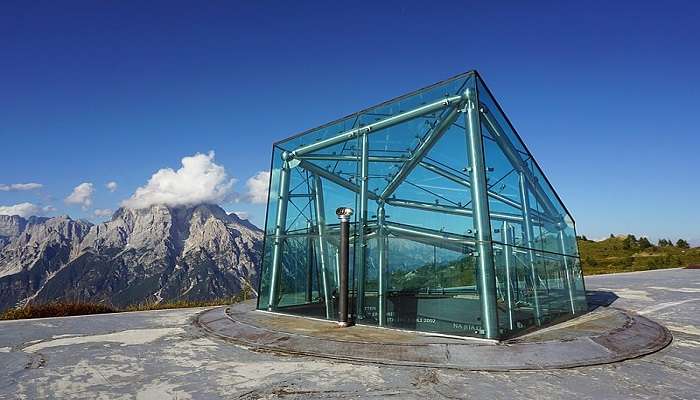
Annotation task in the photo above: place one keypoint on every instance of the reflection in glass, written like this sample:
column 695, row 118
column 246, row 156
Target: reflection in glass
column 456, row 230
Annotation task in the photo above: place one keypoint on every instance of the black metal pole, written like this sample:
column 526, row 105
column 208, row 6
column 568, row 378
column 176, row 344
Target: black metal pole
column 310, row 265
column 344, row 214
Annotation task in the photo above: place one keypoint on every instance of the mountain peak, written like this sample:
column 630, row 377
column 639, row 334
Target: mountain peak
column 150, row 254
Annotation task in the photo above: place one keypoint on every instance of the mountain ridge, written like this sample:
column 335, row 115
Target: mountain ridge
column 154, row 254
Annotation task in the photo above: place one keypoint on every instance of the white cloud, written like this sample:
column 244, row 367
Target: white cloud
column 102, row 212
column 257, row 187
column 199, row 180
column 242, row 214
column 20, row 186
column 111, row 186
column 21, row 209
column 82, row 195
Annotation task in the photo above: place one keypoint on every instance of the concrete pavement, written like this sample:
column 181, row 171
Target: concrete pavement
column 161, row 354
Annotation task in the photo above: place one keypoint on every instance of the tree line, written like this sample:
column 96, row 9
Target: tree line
column 631, row 242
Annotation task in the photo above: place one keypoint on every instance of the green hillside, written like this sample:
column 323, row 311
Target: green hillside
column 624, row 254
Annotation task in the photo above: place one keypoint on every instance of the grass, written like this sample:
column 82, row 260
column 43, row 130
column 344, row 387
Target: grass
column 627, row 254
column 70, row 308
column 56, row 309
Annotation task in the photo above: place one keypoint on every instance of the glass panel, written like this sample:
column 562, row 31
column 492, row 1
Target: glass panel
column 535, row 251
column 418, row 178
column 270, row 222
column 432, row 288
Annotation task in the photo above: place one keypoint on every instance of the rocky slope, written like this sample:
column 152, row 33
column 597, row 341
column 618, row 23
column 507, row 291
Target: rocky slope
column 146, row 255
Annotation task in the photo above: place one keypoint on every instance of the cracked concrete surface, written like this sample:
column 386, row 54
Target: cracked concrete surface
column 160, row 355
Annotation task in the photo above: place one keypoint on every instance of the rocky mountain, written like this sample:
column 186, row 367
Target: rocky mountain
column 12, row 225
column 141, row 255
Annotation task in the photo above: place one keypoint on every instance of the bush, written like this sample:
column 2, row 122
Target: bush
column 56, row 309
column 67, row 308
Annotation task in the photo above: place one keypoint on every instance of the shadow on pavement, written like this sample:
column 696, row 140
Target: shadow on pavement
column 600, row 298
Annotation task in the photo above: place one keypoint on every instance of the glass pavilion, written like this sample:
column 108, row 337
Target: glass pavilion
column 456, row 229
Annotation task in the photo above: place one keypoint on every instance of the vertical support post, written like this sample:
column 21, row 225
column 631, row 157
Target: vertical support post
column 322, row 249
column 310, row 262
column 360, row 263
column 527, row 229
column 507, row 239
column 382, row 250
column 482, row 224
column 344, row 214
column 567, row 271
column 280, row 228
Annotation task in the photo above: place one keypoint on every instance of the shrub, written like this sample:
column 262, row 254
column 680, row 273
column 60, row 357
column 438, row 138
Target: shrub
column 56, row 309
column 68, row 308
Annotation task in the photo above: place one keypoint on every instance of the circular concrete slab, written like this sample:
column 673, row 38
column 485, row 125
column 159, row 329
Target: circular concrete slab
column 602, row 336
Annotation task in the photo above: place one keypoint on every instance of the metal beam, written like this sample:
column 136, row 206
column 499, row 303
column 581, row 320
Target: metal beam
column 280, row 227
column 334, row 157
column 423, row 147
column 316, row 170
column 567, row 271
column 440, row 238
column 419, row 205
column 310, row 263
column 507, row 239
column 464, row 182
column 527, row 229
column 376, row 126
column 512, row 154
column 361, row 263
column 382, row 247
column 322, row 250
column 482, row 223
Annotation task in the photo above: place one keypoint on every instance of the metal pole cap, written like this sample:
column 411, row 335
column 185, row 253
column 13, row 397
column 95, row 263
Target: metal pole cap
column 343, row 213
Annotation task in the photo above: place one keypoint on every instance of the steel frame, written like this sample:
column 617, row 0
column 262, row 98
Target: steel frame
column 512, row 154
column 280, row 227
column 321, row 230
column 482, row 225
column 379, row 125
column 382, row 250
column 361, row 247
column 507, row 238
column 476, row 115
column 529, row 234
column 567, row 271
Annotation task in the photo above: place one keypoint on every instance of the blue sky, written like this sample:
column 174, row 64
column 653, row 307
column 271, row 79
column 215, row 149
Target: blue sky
column 605, row 95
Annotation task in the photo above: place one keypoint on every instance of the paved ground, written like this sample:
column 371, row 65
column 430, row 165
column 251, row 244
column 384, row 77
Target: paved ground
column 602, row 336
column 159, row 355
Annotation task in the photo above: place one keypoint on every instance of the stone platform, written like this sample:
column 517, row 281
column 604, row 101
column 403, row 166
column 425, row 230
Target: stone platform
column 603, row 336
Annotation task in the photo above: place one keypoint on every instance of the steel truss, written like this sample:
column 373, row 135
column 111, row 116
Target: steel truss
column 476, row 115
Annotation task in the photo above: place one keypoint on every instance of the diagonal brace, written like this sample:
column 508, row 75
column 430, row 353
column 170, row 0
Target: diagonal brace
column 316, row 170
column 431, row 138
column 512, row 154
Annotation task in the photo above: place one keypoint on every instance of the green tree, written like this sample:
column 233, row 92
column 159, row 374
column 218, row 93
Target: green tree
column 630, row 242
column 663, row 243
column 682, row 244
column 644, row 243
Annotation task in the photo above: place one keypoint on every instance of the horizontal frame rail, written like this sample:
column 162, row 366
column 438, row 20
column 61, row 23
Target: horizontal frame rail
column 376, row 126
